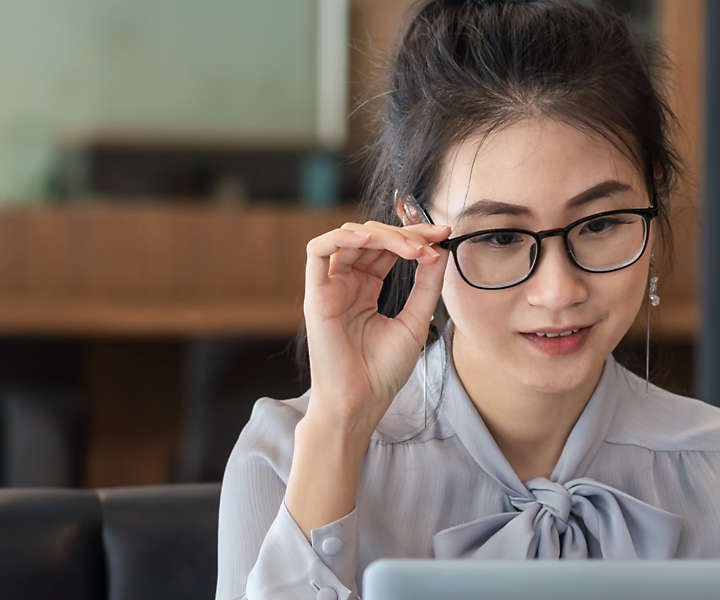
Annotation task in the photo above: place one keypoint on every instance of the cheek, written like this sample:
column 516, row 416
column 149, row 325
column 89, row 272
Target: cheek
column 619, row 298
column 626, row 293
column 480, row 314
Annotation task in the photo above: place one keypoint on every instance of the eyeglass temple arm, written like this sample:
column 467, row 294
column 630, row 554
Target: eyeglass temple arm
column 411, row 200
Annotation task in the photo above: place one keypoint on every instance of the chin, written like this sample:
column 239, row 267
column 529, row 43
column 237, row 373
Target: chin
column 553, row 385
column 558, row 374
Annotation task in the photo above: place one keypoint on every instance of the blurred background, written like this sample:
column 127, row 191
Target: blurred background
column 162, row 165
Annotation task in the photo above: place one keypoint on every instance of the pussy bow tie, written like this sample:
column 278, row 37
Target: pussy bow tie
column 580, row 519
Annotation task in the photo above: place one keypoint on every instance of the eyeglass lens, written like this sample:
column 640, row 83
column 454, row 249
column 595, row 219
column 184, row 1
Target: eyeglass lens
column 501, row 258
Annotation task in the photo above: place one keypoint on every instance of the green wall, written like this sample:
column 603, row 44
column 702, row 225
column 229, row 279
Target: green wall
column 243, row 67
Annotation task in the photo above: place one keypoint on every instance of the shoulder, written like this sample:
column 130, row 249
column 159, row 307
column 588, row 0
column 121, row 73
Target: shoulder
column 269, row 434
column 660, row 420
column 412, row 416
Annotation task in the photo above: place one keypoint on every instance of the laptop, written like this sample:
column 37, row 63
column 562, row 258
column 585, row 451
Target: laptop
column 421, row 579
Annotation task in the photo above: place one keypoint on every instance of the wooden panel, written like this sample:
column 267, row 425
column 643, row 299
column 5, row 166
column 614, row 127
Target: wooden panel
column 155, row 270
column 374, row 26
column 677, row 319
column 682, row 31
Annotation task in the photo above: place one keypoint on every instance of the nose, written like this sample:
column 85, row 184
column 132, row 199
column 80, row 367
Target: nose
column 556, row 283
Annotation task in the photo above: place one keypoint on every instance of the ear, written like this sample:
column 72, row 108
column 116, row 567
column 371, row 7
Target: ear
column 408, row 210
column 657, row 171
column 401, row 208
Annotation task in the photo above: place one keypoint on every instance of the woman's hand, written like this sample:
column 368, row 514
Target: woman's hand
column 359, row 359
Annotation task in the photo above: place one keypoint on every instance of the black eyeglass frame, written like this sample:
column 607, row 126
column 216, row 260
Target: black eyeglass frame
column 452, row 243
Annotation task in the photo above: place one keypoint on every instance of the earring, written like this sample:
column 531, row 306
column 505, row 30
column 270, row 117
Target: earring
column 653, row 300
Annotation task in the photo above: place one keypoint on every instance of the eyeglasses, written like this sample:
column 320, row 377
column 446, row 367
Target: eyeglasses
column 494, row 259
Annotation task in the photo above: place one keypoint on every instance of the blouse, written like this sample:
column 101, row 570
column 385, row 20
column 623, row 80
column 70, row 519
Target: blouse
column 638, row 477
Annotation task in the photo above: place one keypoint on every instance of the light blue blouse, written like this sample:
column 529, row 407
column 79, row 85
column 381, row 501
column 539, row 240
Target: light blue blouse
column 639, row 477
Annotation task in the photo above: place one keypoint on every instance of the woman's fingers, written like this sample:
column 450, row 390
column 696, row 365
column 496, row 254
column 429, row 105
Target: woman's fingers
column 424, row 297
column 345, row 247
column 417, row 235
column 367, row 257
column 381, row 266
column 373, row 262
column 346, row 259
column 320, row 248
column 378, row 263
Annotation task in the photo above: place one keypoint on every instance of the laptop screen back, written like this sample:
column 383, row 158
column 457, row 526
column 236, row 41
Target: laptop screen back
column 541, row 580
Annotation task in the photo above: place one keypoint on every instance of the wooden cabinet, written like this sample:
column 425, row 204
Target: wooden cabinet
column 144, row 271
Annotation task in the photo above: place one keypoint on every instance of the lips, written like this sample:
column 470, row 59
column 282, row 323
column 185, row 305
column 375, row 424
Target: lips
column 555, row 330
column 551, row 334
column 558, row 340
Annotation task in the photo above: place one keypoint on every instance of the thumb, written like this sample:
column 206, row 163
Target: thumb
column 424, row 296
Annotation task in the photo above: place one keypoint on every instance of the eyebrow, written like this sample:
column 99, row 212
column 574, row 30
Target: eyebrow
column 485, row 207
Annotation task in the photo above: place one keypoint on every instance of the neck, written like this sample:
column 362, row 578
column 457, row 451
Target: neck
column 530, row 426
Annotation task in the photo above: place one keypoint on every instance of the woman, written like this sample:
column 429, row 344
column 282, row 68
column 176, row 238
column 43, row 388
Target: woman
column 529, row 141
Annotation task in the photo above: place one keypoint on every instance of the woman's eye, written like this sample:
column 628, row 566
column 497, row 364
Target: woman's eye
column 602, row 225
column 499, row 239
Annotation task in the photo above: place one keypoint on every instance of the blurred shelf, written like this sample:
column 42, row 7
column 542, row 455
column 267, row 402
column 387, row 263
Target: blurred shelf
column 156, row 270
column 175, row 270
column 30, row 316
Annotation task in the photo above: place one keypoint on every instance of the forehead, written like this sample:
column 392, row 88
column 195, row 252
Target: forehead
column 537, row 163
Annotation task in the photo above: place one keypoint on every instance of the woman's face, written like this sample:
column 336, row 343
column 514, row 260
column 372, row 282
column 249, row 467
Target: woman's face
column 538, row 166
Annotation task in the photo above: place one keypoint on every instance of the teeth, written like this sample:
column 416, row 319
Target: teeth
column 552, row 335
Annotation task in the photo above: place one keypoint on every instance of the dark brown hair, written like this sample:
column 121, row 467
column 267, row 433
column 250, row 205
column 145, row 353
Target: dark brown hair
column 463, row 66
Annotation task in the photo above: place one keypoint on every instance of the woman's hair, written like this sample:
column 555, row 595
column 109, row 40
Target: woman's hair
column 468, row 66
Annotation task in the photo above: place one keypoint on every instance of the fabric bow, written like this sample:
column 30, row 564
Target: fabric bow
column 581, row 519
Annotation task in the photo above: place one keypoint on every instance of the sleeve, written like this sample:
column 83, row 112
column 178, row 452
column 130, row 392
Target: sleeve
column 262, row 552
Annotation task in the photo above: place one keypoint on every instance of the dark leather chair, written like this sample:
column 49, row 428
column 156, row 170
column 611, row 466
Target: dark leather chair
column 134, row 543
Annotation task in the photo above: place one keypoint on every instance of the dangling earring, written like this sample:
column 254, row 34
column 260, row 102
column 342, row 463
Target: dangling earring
column 653, row 300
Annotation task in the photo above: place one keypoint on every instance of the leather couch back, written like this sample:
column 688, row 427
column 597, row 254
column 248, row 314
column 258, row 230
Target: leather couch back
column 136, row 543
